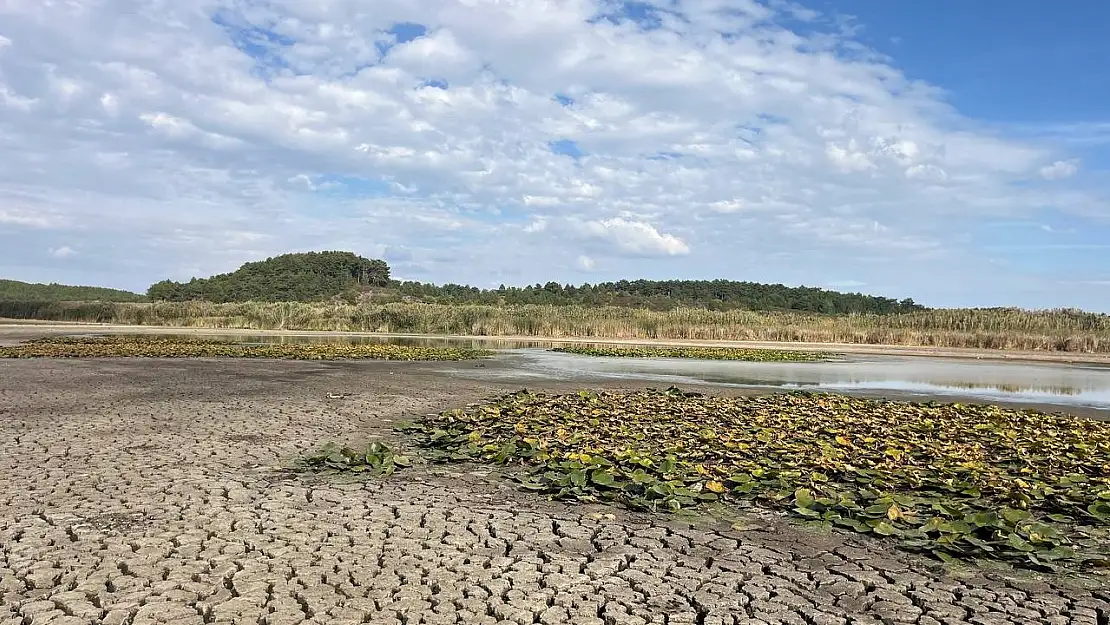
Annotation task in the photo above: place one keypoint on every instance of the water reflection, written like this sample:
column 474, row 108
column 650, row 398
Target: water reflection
column 1043, row 383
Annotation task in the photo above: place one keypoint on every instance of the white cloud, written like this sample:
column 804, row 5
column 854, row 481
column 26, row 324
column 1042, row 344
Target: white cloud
column 15, row 101
column 437, row 55
column 586, row 263
column 728, row 206
column 538, row 225
column 633, row 237
column 1059, row 170
column 849, row 158
column 926, row 172
column 22, row 217
column 63, row 252
column 541, row 200
column 721, row 131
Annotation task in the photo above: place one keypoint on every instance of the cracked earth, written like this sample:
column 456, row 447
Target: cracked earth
column 141, row 492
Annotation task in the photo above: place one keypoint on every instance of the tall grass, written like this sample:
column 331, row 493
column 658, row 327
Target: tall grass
column 1052, row 330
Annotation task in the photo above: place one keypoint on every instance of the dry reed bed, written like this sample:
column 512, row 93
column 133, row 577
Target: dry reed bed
column 1055, row 330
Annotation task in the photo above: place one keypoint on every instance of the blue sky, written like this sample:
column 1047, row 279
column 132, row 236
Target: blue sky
column 1017, row 61
column 953, row 152
column 1021, row 66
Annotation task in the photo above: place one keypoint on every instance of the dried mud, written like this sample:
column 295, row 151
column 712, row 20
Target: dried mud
column 145, row 491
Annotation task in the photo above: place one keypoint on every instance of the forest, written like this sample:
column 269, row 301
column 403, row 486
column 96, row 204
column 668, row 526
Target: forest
column 320, row 276
column 347, row 277
column 13, row 290
column 304, row 277
column 667, row 295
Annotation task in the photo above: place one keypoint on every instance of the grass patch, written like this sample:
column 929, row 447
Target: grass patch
column 699, row 353
column 950, row 480
column 155, row 347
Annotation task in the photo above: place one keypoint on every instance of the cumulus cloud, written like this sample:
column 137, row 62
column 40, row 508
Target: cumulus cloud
column 1059, row 170
column 63, row 252
column 489, row 141
column 636, row 238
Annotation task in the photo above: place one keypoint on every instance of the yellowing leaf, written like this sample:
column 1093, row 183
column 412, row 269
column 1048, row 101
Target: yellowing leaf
column 894, row 513
column 715, row 487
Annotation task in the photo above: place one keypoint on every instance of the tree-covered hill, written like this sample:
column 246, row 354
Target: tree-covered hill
column 13, row 290
column 309, row 276
column 315, row 276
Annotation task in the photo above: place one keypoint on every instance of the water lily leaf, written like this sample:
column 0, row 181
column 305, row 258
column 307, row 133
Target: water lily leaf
column 883, row 528
column 1015, row 516
column 804, row 498
column 602, row 477
column 1100, row 511
column 982, row 519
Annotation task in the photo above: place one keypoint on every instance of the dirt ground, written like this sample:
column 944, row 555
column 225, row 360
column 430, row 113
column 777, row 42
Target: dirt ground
column 145, row 491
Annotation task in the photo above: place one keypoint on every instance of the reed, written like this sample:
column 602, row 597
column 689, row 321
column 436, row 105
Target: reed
column 1004, row 329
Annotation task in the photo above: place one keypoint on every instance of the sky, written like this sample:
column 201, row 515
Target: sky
column 954, row 152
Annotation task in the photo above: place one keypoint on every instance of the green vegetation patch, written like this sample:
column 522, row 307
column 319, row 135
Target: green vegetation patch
column 951, row 480
column 155, row 347
column 701, row 353
column 376, row 459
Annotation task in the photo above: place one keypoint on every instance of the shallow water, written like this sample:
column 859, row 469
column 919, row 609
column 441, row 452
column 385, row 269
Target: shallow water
column 426, row 341
column 1046, row 384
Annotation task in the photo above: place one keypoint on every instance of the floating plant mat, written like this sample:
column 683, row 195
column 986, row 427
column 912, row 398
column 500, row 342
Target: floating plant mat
column 700, row 353
column 949, row 480
column 156, row 347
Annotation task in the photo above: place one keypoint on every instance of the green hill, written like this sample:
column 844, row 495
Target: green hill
column 315, row 276
column 310, row 276
column 13, row 290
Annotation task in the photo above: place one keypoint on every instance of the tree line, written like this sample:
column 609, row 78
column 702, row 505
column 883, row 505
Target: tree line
column 668, row 294
column 315, row 276
column 14, row 290
column 335, row 275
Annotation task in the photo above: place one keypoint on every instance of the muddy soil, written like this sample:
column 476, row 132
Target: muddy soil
column 147, row 491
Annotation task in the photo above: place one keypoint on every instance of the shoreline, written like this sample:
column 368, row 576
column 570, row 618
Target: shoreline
column 16, row 330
